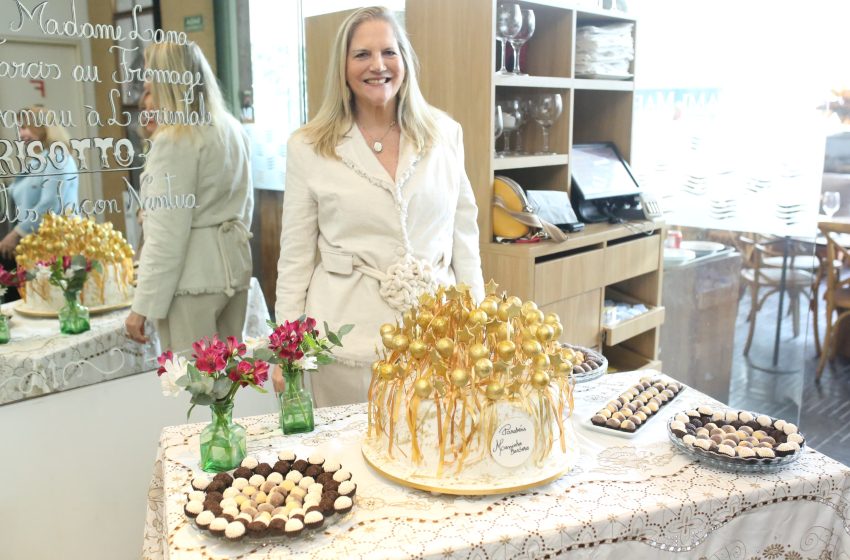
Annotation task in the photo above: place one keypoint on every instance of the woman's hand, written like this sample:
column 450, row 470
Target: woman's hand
column 135, row 325
column 277, row 379
column 7, row 246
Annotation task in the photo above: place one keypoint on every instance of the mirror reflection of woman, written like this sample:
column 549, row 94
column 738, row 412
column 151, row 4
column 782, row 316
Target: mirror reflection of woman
column 195, row 269
column 46, row 187
column 377, row 207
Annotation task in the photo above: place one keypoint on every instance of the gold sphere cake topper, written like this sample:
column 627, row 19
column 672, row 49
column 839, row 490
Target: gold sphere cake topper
column 467, row 359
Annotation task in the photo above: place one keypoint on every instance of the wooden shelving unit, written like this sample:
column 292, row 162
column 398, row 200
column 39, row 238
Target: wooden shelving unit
column 456, row 45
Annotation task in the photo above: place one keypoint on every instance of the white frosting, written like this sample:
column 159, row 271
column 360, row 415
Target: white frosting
column 197, row 495
column 219, row 524
column 200, row 482
column 343, row 502
column 205, row 518
column 256, row 480
column 763, row 420
column 342, row 476
column 293, row 526
column 250, row 462
column 745, row 417
column 114, row 293
column 789, row 429
column 346, row 488
column 286, row 455
column 677, row 425
column 796, row 438
column 306, row 482
column 275, row 478
column 240, row 484
column 228, row 502
column 745, row 452
column 230, row 492
column 331, row 466
column 313, row 517
column 195, row 507
column 316, row 459
column 731, row 416
column 779, row 424
column 232, row 511
column 705, row 410
column 294, row 476
column 683, row 418
column 689, row 439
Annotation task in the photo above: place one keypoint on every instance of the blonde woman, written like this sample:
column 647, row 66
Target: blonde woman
column 196, row 266
column 49, row 184
column 377, row 207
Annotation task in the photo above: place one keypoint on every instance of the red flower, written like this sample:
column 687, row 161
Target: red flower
column 261, row 372
column 66, row 262
column 11, row 279
column 210, row 355
column 238, row 373
column 167, row 356
column 285, row 340
column 234, row 347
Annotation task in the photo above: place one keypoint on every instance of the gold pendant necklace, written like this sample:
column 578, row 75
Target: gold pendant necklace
column 377, row 145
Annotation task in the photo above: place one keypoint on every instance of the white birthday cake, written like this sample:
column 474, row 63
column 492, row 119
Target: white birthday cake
column 471, row 399
column 60, row 236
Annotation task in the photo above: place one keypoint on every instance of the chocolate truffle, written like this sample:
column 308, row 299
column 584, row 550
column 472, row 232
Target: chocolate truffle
column 343, row 504
column 265, row 507
column 282, row 467
column 635, row 420
column 223, row 477
column 268, row 487
column 642, row 415
column 218, row 525
column 287, row 486
column 249, row 491
column 293, row 527
column 298, row 492
column 605, row 413
column 313, row 471
column 216, row 486
column 230, row 513
column 596, row 420
column 204, row 519
column 234, row 531
column 263, row 469
column 244, row 518
column 201, row 482
column 787, row 448
column 326, row 506
column 300, row 465
column 717, row 438
column 243, row 472
column 277, row 526
column 257, row 528
column 276, row 499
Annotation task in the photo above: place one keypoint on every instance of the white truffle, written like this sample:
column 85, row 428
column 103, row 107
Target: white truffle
column 316, row 459
column 234, row 530
column 765, row 452
column 346, row 488
column 275, row 477
column 231, row 492
column 763, row 420
column 297, row 511
column 683, row 418
column 257, row 480
column 306, row 482
column 250, row 462
column 315, row 488
column 293, row 526
column 718, row 416
column 789, row 429
column 705, row 410
column 294, row 476
column 195, row 507
column 201, row 482
column 796, row 438
column 311, row 500
column 689, row 439
column 726, row 450
column 287, row 486
column 246, row 516
column 218, row 524
column 342, row 475
column 745, row 417
column 228, row 502
column 286, row 455
column 263, row 517
column 239, row 483
column 205, row 518
column 779, row 424
column 677, row 425
column 731, row 416
column 342, row 503
column 232, row 511
column 249, row 491
column 701, row 443
column 313, row 518
column 745, row 452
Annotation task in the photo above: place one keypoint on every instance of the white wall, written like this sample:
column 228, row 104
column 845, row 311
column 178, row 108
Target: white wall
column 75, row 467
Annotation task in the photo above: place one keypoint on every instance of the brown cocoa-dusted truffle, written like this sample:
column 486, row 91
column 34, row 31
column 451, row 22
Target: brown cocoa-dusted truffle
column 282, row 467
column 628, row 426
column 313, row 471
column 214, row 497
column 300, row 465
column 314, row 508
column 597, row 420
column 330, row 495
column 612, row 423
column 257, row 528
column 223, row 477
column 263, row 469
column 213, row 507
column 242, row 472
column 216, row 486
column 331, row 485
column 326, row 506
column 277, row 526
column 324, row 477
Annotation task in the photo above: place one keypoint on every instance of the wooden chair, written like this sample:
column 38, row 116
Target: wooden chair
column 763, row 281
column 837, row 292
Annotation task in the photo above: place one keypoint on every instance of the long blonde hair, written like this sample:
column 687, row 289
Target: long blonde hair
column 417, row 120
column 173, row 57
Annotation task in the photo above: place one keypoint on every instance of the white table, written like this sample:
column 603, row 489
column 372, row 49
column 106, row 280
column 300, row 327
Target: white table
column 40, row 360
column 626, row 498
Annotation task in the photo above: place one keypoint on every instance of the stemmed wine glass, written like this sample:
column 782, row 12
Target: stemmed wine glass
column 831, row 202
column 525, row 33
column 524, row 108
column 510, row 123
column 508, row 24
column 546, row 110
column 498, row 123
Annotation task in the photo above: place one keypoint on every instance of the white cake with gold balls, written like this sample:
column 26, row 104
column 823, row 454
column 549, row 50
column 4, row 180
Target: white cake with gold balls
column 60, row 236
column 471, row 399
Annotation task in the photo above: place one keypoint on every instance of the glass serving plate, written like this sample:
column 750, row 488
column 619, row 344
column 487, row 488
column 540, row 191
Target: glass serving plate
column 584, row 377
column 734, row 464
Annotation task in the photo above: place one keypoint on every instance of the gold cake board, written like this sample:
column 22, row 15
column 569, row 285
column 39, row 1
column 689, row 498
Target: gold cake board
column 555, row 467
column 20, row 308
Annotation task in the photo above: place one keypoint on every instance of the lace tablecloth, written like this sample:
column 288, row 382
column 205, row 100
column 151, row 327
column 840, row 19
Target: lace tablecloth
column 626, row 498
column 39, row 360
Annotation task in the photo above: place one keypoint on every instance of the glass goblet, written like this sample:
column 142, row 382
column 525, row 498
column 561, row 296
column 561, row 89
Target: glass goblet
column 547, row 109
column 508, row 24
column 498, row 123
column 525, row 33
column 510, row 123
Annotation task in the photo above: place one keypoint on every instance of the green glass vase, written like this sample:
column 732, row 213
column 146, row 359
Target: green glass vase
column 296, row 404
column 5, row 335
column 223, row 442
column 73, row 317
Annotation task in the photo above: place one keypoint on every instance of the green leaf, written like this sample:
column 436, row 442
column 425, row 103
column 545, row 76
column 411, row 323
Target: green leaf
column 327, row 328
column 221, row 387
column 182, row 381
column 189, row 412
column 324, row 359
column 302, row 317
column 334, row 339
column 264, row 354
column 202, row 399
column 258, row 388
column 344, row 330
column 271, row 324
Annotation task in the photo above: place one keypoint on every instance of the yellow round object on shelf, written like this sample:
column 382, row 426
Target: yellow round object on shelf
column 504, row 225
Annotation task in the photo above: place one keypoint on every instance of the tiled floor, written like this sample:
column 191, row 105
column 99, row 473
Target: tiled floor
column 823, row 408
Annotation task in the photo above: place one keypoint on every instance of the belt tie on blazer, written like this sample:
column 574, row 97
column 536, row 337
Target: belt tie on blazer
column 221, row 230
column 400, row 285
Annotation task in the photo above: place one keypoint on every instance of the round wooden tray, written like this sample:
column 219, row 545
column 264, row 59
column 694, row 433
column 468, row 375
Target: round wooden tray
column 555, row 467
column 20, row 308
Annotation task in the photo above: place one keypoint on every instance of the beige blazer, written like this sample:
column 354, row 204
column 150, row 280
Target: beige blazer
column 199, row 248
column 346, row 222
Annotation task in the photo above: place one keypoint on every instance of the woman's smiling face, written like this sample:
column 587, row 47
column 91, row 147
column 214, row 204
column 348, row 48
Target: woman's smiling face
column 374, row 67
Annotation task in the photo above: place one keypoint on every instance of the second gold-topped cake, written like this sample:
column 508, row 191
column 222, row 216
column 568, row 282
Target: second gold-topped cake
column 475, row 392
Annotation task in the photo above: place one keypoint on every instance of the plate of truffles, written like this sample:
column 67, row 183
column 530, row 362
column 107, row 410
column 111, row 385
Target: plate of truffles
column 627, row 414
column 266, row 500
column 736, row 440
column 588, row 364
